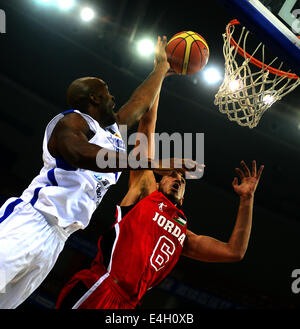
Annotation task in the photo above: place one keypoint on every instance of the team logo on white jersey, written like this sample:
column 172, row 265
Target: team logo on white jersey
column 117, row 143
column 161, row 205
column 104, row 182
column 99, row 194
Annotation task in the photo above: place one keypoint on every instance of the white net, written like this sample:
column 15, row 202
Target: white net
column 250, row 86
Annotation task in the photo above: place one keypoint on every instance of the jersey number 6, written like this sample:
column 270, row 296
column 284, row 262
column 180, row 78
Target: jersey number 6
column 162, row 252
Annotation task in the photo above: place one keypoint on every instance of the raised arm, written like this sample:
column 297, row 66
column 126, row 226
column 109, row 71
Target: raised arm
column 143, row 97
column 142, row 182
column 208, row 249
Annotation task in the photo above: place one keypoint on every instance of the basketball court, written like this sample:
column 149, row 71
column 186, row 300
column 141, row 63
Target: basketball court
column 252, row 112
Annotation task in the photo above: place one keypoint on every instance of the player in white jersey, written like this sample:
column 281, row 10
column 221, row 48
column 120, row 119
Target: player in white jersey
column 63, row 197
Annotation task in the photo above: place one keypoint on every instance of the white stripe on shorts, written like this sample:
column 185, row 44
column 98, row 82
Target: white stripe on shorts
column 103, row 277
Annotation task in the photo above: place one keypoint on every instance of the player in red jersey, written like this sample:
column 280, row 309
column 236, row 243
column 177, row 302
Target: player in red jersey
column 149, row 235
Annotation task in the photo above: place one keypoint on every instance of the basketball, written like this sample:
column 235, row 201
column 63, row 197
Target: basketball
column 187, row 52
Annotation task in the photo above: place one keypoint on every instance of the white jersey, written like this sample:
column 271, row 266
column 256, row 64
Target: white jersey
column 66, row 195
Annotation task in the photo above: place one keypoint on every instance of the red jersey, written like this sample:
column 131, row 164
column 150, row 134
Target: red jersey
column 140, row 249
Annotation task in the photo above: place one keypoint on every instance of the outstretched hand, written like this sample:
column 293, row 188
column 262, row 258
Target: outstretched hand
column 188, row 167
column 160, row 52
column 249, row 180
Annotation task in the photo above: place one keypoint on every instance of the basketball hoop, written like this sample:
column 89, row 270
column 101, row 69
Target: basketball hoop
column 250, row 86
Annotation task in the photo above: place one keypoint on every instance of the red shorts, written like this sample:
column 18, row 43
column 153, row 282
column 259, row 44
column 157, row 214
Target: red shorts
column 104, row 293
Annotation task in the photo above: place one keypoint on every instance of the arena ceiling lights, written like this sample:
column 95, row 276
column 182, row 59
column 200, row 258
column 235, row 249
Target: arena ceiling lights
column 86, row 14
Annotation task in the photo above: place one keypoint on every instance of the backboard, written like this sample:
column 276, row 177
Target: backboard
column 274, row 22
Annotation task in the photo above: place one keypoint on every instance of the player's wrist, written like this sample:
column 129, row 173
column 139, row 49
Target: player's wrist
column 247, row 197
column 162, row 66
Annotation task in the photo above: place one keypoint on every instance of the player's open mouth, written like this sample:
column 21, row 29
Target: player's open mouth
column 175, row 187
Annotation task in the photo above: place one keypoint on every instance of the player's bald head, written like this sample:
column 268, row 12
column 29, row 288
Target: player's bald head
column 79, row 91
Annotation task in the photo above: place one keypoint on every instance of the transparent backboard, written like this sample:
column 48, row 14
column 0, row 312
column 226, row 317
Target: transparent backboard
column 274, row 22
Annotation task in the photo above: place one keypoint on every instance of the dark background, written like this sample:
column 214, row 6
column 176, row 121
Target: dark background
column 44, row 49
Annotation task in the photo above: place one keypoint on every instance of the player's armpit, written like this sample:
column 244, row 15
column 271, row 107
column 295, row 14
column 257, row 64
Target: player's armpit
column 140, row 187
column 208, row 249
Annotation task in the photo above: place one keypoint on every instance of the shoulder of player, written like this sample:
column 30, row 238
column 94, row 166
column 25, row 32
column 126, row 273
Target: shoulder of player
column 73, row 121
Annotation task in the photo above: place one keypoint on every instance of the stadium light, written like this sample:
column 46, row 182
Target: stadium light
column 87, row 14
column 65, row 4
column 145, row 47
column 212, row 75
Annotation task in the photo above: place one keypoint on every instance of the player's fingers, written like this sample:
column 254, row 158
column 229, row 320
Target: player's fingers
column 260, row 171
column 189, row 164
column 254, row 168
column 158, row 43
column 193, row 170
column 246, row 169
column 164, row 41
column 191, row 175
column 240, row 173
column 235, row 181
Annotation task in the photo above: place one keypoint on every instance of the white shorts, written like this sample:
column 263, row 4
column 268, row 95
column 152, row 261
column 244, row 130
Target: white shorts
column 29, row 248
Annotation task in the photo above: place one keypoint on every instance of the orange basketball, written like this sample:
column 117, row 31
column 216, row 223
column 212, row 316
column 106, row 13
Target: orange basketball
column 187, row 52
